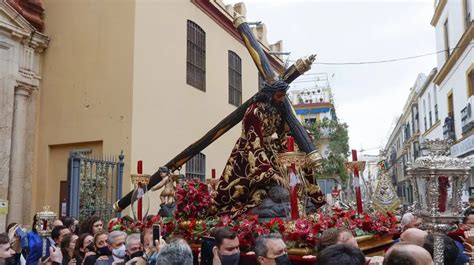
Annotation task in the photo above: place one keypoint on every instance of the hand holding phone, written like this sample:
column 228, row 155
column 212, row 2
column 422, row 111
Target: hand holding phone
column 156, row 234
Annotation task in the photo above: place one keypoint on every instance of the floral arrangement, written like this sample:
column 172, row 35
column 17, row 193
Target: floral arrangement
column 303, row 232
column 192, row 220
column 192, row 200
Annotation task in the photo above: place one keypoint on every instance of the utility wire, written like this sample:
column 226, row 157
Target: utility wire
column 389, row 60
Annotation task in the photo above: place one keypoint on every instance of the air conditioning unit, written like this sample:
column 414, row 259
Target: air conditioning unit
column 467, row 116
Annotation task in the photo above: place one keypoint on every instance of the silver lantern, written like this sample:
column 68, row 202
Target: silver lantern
column 438, row 182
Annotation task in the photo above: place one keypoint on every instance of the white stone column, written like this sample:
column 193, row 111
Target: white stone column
column 18, row 155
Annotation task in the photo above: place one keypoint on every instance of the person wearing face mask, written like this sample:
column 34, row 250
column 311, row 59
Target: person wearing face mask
column 134, row 249
column 102, row 250
column 271, row 250
column 84, row 248
column 117, row 242
column 226, row 251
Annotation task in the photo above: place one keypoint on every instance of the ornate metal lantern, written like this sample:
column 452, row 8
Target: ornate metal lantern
column 44, row 225
column 438, row 181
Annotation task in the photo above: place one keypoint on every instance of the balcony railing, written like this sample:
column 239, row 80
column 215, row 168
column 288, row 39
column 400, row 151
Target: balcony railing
column 467, row 121
column 448, row 128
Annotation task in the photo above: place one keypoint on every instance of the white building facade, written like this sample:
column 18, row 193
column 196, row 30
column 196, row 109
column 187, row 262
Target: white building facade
column 445, row 98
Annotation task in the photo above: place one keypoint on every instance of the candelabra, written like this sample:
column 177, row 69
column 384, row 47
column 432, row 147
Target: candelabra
column 438, row 182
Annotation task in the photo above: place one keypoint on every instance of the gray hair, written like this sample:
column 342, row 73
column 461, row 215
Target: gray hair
column 112, row 235
column 406, row 220
column 261, row 249
column 132, row 237
column 175, row 253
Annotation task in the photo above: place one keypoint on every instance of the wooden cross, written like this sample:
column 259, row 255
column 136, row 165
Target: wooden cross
column 264, row 67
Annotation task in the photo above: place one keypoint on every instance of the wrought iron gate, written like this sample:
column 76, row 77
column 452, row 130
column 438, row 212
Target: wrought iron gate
column 95, row 184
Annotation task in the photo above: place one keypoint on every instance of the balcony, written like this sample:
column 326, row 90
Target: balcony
column 448, row 128
column 467, row 119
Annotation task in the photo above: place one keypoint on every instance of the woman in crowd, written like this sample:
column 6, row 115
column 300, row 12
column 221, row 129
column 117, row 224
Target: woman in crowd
column 101, row 247
column 67, row 248
column 84, row 248
column 93, row 225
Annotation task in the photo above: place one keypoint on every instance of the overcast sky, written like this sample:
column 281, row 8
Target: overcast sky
column 368, row 98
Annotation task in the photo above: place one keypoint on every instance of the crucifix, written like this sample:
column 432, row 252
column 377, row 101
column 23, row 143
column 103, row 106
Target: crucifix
column 272, row 81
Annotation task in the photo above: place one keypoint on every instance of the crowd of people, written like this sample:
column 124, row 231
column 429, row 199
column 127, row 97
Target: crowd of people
column 89, row 243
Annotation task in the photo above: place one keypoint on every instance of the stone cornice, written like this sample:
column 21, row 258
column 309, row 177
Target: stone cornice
column 21, row 29
column 438, row 10
column 463, row 43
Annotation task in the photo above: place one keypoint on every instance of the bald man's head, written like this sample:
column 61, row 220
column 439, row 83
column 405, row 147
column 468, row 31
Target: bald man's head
column 407, row 254
column 413, row 236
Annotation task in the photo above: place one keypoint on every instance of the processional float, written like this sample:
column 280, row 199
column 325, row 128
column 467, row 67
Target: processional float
column 264, row 67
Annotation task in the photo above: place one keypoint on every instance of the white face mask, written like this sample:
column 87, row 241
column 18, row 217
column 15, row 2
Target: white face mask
column 119, row 252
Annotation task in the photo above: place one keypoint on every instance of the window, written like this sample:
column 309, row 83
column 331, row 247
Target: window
column 467, row 13
column 429, row 108
column 196, row 57
column 310, row 121
column 235, row 79
column 470, row 83
column 435, row 98
column 196, row 167
column 424, row 116
column 447, row 51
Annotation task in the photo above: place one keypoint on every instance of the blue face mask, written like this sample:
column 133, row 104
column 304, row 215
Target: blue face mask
column 232, row 259
column 119, row 252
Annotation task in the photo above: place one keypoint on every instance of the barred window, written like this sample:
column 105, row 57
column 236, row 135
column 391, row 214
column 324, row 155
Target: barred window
column 196, row 167
column 196, row 57
column 235, row 79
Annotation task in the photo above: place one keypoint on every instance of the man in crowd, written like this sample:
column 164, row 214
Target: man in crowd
column 407, row 254
column 54, row 243
column 334, row 236
column 134, row 247
column 270, row 249
column 413, row 236
column 57, row 222
column 409, row 221
column 451, row 253
column 176, row 252
column 116, row 240
column 341, row 254
column 5, row 249
column 226, row 251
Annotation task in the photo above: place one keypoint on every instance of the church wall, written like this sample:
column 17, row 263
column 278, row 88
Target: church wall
column 87, row 88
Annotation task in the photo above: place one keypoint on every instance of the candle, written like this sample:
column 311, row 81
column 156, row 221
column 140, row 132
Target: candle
column 140, row 167
column 290, row 144
column 139, row 206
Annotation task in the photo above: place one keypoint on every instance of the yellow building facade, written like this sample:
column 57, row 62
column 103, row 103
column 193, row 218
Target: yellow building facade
column 114, row 78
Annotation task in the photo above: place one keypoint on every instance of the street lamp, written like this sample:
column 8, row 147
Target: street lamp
column 438, row 181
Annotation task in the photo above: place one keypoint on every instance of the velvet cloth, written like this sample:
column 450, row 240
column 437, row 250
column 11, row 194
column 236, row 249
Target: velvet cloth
column 252, row 166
